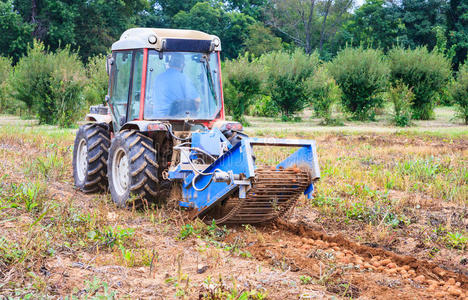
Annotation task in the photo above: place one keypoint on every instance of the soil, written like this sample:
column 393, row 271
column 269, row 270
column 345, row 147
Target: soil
column 297, row 258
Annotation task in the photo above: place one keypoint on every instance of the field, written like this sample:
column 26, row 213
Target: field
column 389, row 220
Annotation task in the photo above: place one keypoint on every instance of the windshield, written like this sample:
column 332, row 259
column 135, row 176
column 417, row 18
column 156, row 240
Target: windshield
column 182, row 85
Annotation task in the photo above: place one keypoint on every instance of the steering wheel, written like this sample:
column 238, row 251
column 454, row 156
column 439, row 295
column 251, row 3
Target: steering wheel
column 179, row 108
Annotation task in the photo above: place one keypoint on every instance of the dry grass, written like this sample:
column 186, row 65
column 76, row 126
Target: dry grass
column 376, row 186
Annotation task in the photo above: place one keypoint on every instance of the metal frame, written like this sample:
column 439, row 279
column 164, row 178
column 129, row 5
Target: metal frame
column 235, row 171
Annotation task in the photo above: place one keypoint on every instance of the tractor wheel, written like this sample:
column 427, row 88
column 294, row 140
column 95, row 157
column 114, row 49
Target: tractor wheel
column 132, row 169
column 90, row 158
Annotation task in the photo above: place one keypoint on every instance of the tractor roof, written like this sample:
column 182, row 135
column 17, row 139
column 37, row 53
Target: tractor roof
column 138, row 38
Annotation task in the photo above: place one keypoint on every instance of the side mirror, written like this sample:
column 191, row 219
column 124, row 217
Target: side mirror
column 109, row 63
column 107, row 99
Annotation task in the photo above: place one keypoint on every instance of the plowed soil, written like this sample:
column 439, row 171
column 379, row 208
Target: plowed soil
column 305, row 256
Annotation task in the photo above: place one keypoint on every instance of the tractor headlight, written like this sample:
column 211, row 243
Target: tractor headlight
column 216, row 42
column 232, row 126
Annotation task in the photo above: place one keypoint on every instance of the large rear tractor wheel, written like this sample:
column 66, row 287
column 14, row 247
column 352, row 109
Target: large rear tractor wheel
column 90, row 158
column 132, row 169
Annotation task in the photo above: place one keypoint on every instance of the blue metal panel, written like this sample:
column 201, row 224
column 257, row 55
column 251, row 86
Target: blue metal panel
column 238, row 160
column 305, row 157
column 209, row 141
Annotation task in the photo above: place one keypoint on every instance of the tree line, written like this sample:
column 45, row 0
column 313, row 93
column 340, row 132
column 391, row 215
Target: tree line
column 279, row 57
column 256, row 26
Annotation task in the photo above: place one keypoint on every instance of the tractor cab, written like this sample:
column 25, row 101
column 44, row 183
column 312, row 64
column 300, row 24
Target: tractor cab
column 165, row 75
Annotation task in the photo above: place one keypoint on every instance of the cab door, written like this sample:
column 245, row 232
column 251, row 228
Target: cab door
column 120, row 86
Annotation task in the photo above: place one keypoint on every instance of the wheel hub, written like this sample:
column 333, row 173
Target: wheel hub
column 82, row 160
column 120, row 172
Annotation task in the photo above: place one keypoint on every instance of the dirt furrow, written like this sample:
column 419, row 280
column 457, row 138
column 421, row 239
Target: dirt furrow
column 349, row 269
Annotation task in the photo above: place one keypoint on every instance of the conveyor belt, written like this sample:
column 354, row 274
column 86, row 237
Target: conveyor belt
column 273, row 193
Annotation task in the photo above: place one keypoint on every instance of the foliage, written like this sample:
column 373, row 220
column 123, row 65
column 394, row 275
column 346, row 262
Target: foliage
column 263, row 106
column 459, row 91
column 286, row 77
column 323, row 92
column 5, row 69
column 111, row 236
column 214, row 290
column 362, row 75
column 308, row 24
column 401, row 96
column 50, row 84
column 31, row 76
column 418, row 18
column 261, row 40
column 375, row 24
column 456, row 240
column 16, row 32
column 96, row 88
column 231, row 27
column 242, row 84
column 90, row 27
column 426, row 73
column 457, row 30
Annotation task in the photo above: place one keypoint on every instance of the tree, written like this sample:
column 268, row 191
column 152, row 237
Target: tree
column 101, row 22
column 308, row 23
column 425, row 72
column 16, row 34
column 286, row 79
column 90, row 26
column 376, row 24
column 231, row 27
column 419, row 18
column 362, row 75
column 50, row 84
column 459, row 91
column 261, row 40
column 323, row 93
column 253, row 8
column 457, row 30
column 171, row 8
column 242, row 84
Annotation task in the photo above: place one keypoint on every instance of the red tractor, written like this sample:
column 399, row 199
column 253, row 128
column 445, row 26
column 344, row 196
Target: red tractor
column 164, row 128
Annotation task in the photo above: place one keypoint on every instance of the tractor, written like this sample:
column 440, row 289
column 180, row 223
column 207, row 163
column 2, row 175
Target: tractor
column 163, row 132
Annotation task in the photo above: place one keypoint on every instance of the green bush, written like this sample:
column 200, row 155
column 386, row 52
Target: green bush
column 67, row 83
column 426, row 73
column 5, row 69
column 323, row 93
column 263, row 106
column 286, row 79
column 401, row 96
column 50, row 84
column 98, row 80
column 242, row 84
column 30, row 79
column 459, row 91
column 362, row 75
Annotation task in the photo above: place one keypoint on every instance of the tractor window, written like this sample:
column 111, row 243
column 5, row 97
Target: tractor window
column 120, row 84
column 134, row 108
column 182, row 85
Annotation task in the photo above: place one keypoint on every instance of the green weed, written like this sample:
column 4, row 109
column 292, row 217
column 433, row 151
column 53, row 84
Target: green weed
column 96, row 290
column 217, row 290
column 10, row 252
column 111, row 236
column 305, row 279
column 29, row 196
column 456, row 240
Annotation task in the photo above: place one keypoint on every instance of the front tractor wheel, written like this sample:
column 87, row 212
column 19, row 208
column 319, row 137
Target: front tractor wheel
column 132, row 169
column 90, row 158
